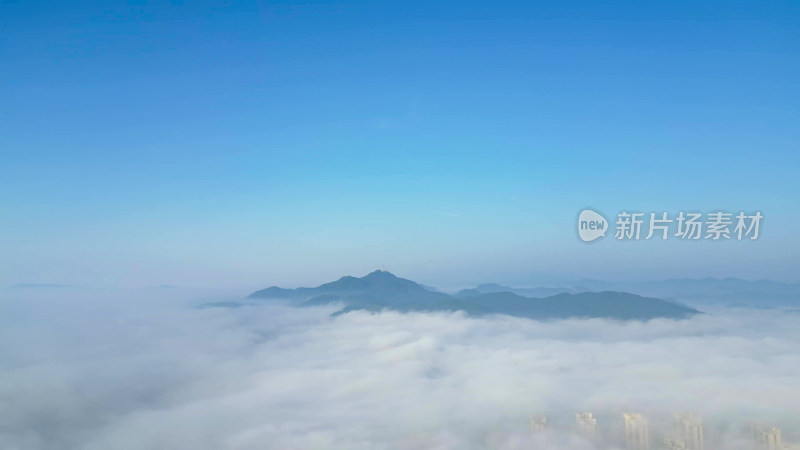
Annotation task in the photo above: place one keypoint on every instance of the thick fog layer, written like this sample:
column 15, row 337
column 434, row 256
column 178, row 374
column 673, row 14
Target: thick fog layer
column 146, row 373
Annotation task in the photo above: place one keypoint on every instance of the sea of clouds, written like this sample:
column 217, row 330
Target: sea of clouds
column 147, row 370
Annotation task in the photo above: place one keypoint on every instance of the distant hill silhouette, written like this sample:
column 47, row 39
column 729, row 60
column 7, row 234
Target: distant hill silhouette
column 489, row 288
column 382, row 290
column 722, row 291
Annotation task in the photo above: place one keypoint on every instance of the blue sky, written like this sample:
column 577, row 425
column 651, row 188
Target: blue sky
column 450, row 142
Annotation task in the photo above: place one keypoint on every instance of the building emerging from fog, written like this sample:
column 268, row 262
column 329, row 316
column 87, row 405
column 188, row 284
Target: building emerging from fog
column 539, row 423
column 637, row 434
column 674, row 444
column 689, row 429
column 767, row 438
column 586, row 425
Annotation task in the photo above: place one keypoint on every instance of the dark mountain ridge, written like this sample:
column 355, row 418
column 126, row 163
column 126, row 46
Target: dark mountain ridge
column 381, row 290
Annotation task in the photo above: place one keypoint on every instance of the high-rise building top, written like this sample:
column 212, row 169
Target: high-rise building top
column 637, row 433
column 539, row 423
column 689, row 428
column 675, row 444
column 767, row 437
column 586, row 424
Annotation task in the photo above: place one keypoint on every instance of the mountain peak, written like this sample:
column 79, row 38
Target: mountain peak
column 380, row 274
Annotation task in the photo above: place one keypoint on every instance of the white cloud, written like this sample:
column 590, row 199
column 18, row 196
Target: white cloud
column 89, row 374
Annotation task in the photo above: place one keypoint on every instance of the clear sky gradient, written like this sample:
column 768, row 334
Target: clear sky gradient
column 222, row 144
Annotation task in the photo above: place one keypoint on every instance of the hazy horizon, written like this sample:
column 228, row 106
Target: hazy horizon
column 447, row 285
